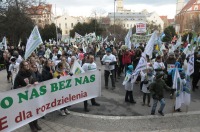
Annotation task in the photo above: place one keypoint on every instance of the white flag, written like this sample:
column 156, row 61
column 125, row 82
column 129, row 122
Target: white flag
column 188, row 38
column 178, row 43
column 177, row 84
column 150, row 45
column 33, row 42
column 187, row 91
column 83, row 47
column 128, row 38
column 190, row 65
column 4, row 43
column 77, row 35
column 76, row 68
column 142, row 64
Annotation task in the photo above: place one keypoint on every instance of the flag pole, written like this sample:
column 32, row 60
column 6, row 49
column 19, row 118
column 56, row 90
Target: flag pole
column 56, row 27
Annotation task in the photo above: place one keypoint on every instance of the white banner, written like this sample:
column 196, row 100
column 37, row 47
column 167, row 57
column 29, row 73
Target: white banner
column 23, row 105
column 141, row 28
column 33, row 42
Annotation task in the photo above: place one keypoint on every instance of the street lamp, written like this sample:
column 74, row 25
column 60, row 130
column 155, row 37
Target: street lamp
column 114, row 17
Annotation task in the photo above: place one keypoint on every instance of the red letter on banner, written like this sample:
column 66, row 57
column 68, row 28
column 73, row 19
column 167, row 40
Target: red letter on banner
column 2, row 122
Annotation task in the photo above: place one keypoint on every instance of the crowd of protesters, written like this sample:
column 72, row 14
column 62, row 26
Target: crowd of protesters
column 57, row 60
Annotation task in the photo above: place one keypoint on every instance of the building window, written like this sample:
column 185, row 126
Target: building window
column 66, row 32
column 65, row 25
column 39, row 21
column 59, row 25
column 127, row 25
column 124, row 25
column 72, row 25
column 196, row 7
column 65, row 18
column 131, row 25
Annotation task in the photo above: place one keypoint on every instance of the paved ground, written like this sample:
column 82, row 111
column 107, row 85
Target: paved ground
column 116, row 115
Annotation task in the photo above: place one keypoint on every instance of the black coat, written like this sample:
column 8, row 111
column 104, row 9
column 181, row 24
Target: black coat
column 38, row 76
column 19, row 79
column 46, row 75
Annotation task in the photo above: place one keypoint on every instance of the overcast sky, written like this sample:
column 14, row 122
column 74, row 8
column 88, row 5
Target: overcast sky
column 85, row 7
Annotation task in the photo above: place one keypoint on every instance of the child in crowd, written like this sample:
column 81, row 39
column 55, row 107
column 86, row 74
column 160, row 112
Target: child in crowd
column 129, row 87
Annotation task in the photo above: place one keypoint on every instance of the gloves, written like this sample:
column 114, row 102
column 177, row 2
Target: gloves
column 58, row 76
column 173, row 90
column 71, row 74
column 112, row 63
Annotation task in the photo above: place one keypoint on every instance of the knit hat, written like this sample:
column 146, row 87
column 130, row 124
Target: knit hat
column 108, row 50
column 159, row 75
column 130, row 67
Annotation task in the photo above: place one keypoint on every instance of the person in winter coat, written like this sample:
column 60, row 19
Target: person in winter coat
column 47, row 71
column 129, row 87
column 196, row 74
column 157, row 91
column 57, row 74
column 26, row 78
column 147, row 79
column 126, row 59
column 36, row 73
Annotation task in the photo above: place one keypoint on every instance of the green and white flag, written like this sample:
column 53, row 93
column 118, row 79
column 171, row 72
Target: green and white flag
column 76, row 68
column 33, row 42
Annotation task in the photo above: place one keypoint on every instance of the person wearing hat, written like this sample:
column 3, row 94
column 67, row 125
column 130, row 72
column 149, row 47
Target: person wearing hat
column 157, row 90
column 109, row 60
column 129, row 87
column 170, row 62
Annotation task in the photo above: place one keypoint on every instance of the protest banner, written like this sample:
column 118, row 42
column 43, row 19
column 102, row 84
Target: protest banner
column 140, row 38
column 141, row 28
column 21, row 106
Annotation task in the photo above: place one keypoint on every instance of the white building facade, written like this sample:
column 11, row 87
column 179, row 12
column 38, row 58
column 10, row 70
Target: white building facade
column 67, row 23
column 129, row 19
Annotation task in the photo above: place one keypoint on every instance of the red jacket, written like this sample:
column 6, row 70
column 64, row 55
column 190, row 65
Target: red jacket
column 126, row 58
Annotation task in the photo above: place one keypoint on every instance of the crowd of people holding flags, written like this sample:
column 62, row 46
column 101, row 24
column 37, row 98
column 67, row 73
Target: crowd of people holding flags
column 156, row 66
